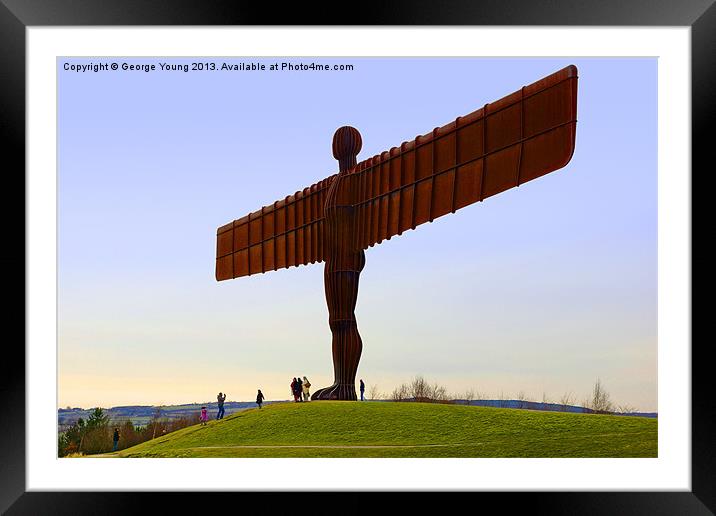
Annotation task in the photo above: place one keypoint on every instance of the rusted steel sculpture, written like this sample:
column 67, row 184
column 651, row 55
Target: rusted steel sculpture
column 506, row 143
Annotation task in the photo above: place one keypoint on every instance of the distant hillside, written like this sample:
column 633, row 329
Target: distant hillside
column 535, row 405
column 379, row 429
column 140, row 415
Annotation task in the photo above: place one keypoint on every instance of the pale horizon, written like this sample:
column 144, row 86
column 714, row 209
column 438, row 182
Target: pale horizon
column 540, row 289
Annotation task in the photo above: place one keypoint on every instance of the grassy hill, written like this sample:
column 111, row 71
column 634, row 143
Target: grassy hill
column 380, row 429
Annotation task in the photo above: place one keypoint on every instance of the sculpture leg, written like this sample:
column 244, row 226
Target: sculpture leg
column 341, row 295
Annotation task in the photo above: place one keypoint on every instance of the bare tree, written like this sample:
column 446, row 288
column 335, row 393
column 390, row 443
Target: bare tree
column 469, row 395
column 567, row 399
column 600, row 401
column 437, row 393
column 400, row 393
column 626, row 409
column 156, row 421
column 522, row 398
column 545, row 398
column 419, row 389
column 373, row 393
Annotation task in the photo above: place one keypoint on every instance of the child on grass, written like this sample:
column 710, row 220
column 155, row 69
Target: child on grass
column 204, row 416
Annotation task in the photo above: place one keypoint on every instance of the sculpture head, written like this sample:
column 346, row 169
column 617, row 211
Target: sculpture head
column 347, row 143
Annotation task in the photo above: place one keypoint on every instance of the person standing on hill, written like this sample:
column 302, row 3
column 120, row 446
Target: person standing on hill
column 259, row 398
column 299, row 388
column 115, row 439
column 204, row 416
column 293, row 389
column 306, row 392
column 220, row 402
column 362, row 389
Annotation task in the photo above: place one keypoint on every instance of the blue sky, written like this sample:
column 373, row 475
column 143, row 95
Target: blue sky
column 541, row 289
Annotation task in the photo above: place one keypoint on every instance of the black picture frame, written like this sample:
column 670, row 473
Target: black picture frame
column 17, row 15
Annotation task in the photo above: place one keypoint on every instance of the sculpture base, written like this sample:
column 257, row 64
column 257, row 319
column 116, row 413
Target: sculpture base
column 337, row 392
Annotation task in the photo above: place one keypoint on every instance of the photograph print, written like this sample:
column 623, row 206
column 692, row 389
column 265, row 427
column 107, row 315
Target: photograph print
column 357, row 257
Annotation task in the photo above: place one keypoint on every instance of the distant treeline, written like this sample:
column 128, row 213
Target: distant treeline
column 419, row 389
column 141, row 415
column 90, row 431
column 94, row 434
column 535, row 405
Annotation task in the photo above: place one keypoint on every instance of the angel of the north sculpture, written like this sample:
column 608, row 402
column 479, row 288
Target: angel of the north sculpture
column 504, row 144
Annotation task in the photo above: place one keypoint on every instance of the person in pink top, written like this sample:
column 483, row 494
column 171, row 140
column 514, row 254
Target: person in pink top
column 204, row 416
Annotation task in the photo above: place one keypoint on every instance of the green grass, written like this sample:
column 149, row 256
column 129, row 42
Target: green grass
column 384, row 429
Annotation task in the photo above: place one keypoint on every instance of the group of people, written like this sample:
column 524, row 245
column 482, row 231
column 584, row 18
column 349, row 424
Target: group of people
column 301, row 389
column 220, row 403
column 220, row 398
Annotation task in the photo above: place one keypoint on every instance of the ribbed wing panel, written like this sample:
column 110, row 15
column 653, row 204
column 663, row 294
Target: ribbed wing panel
column 505, row 143
column 287, row 233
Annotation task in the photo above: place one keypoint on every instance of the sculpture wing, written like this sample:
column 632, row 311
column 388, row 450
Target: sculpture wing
column 287, row 233
column 506, row 143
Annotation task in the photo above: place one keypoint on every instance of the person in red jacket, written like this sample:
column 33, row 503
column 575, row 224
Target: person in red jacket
column 293, row 390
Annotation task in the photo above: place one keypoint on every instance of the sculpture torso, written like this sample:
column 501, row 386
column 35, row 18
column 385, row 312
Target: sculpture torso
column 341, row 226
column 344, row 262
